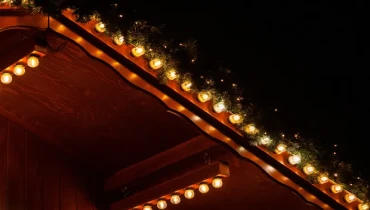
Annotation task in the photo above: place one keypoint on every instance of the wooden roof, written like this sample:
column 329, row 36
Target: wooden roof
column 106, row 109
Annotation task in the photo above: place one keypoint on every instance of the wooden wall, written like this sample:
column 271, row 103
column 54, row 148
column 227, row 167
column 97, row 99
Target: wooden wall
column 36, row 176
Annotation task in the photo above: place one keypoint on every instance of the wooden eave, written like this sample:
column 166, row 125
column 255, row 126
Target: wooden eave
column 184, row 104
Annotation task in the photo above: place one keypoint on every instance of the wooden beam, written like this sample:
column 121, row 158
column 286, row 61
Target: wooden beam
column 169, row 172
column 177, row 184
column 179, row 152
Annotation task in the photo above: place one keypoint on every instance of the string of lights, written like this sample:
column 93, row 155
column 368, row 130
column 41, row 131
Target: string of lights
column 301, row 153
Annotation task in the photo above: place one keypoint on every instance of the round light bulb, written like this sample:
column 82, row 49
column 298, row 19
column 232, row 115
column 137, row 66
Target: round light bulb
column 33, row 61
column 19, row 70
column 203, row 188
column 171, row 74
column 219, row 107
column 155, row 64
column 100, row 27
column 349, row 198
column 308, row 169
column 323, row 179
column 363, row 206
column 336, row 188
column 204, row 96
column 161, row 204
column 147, row 207
column 137, row 51
column 294, row 159
column 189, row 194
column 280, row 149
column 217, row 182
column 265, row 140
column 118, row 39
column 235, row 118
column 250, row 129
column 186, row 86
column 175, row 199
column 6, row 78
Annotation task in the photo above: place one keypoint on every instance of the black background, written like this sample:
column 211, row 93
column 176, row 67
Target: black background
column 308, row 60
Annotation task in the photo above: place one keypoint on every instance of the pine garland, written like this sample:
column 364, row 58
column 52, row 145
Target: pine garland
column 183, row 56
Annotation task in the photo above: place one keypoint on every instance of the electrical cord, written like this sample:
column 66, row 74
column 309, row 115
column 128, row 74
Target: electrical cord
column 60, row 47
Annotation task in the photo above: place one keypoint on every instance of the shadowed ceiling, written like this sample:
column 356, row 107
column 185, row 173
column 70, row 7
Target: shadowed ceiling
column 95, row 114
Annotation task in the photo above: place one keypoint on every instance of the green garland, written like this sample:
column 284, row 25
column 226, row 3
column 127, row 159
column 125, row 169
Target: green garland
column 182, row 56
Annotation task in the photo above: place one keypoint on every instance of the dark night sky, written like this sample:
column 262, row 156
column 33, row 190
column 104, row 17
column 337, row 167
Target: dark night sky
column 305, row 59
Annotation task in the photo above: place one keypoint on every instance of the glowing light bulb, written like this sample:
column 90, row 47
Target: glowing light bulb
column 322, row 179
column 219, row 107
column 308, row 169
column 349, row 198
column 155, row 64
column 33, row 61
column 186, row 86
column 19, row 70
column 118, row 39
column 6, row 78
column 250, row 129
column 235, row 118
column 100, row 27
column 147, row 207
column 203, row 188
column 137, row 51
column 217, row 182
column 171, row 74
column 189, row 194
column 294, row 159
column 265, row 140
column 204, row 96
column 363, row 206
column 336, row 188
column 175, row 199
column 280, row 149
column 161, row 204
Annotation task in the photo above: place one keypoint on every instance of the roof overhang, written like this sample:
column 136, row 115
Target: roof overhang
column 184, row 104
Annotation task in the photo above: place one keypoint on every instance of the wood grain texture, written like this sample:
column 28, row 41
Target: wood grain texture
column 92, row 110
column 36, row 176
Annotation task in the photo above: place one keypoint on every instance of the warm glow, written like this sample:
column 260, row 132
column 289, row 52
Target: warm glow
column 161, row 204
column 175, row 199
column 323, row 179
column 118, row 39
column 137, row 51
column 217, row 182
column 155, row 63
column 349, row 198
column 363, row 206
column 308, row 169
column 250, row 129
column 6, row 78
column 147, row 207
column 336, row 188
column 294, row 159
column 19, row 70
column 171, row 74
column 235, row 118
column 189, row 194
column 100, row 27
column 203, row 188
column 186, row 86
column 219, row 107
column 33, row 61
column 280, row 149
column 204, row 96
column 265, row 140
